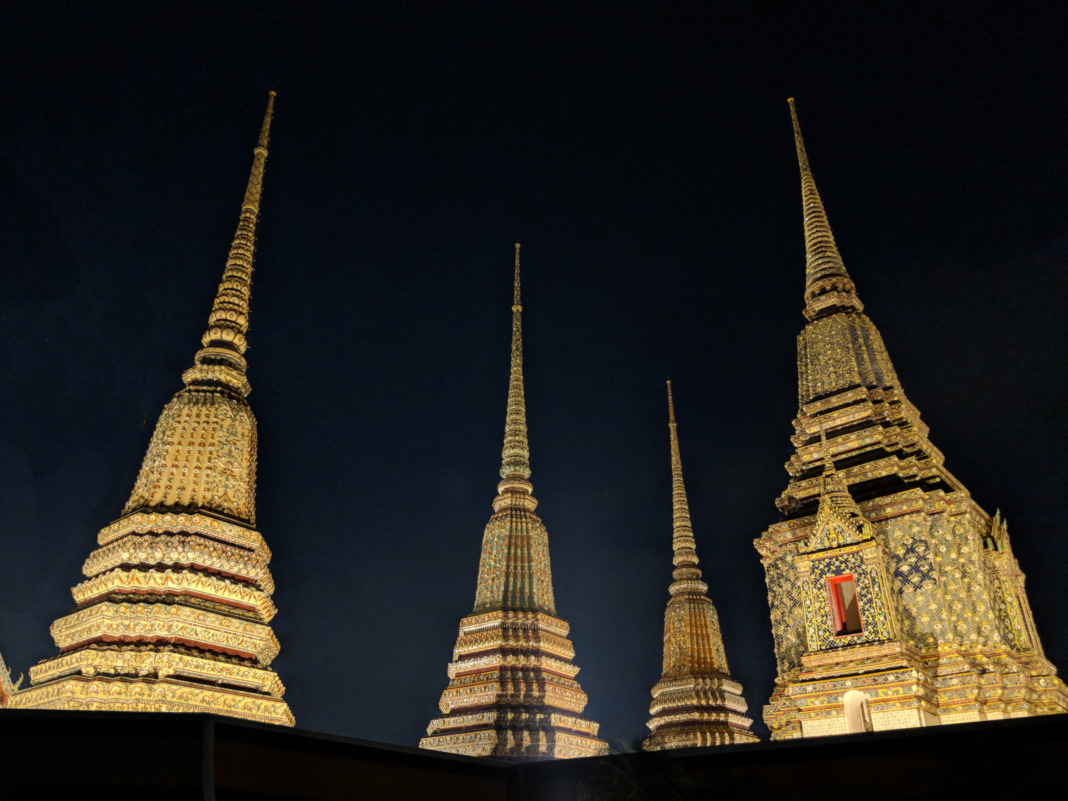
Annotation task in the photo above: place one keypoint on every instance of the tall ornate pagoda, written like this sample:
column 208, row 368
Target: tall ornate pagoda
column 895, row 598
column 512, row 693
column 696, row 702
column 174, row 613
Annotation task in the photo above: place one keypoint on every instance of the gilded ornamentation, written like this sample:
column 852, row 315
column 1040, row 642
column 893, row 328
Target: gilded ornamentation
column 152, row 695
column 696, row 702
column 202, row 456
column 173, row 615
column 943, row 632
column 512, row 692
column 182, row 551
column 194, row 586
column 160, row 662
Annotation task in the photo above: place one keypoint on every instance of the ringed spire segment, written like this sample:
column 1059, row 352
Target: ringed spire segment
column 827, row 283
column 683, row 545
column 515, row 456
column 221, row 362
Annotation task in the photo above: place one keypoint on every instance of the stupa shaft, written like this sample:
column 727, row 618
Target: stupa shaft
column 174, row 613
column 895, row 598
column 696, row 702
column 512, row 693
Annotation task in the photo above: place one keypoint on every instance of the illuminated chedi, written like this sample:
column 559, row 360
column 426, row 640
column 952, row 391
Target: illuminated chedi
column 696, row 702
column 512, row 692
column 174, row 613
column 895, row 598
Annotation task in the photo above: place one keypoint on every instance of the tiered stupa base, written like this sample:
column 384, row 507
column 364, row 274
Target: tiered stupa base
column 151, row 695
column 512, row 693
column 907, row 689
column 173, row 617
column 515, row 735
column 698, row 711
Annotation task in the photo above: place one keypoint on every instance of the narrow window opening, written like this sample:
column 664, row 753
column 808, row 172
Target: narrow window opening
column 845, row 611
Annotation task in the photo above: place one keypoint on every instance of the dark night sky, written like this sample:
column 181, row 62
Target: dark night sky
column 644, row 158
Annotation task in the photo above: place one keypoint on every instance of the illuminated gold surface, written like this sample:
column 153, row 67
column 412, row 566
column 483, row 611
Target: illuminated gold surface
column 151, row 695
column 191, row 585
column 695, row 703
column 947, row 630
column 144, row 660
column 183, row 550
column 512, row 692
column 171, row 622
column 179, row 588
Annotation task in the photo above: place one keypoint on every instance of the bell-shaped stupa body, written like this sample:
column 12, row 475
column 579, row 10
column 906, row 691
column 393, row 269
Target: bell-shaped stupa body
column 696, row 702
column 895, row 598
column 512, row 693
column 174, row 613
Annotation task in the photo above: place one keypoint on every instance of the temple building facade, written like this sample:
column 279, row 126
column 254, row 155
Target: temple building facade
column 175, row 610
column 696, row 702
column 895, row 598
column 512, row 693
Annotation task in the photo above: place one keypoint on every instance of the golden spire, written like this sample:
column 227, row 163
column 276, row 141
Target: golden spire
column 221, row 361
column 827, row 284
column 175, row 611
column 682, row 541
column 515, row 457
column 696, row 703
column 512, row 693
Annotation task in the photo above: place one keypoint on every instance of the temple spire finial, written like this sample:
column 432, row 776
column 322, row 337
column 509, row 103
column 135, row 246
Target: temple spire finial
column 221, row 360
column 682, row 542
column 515, row 456
column 265, row 129
column 827, row 283
column 515, row 291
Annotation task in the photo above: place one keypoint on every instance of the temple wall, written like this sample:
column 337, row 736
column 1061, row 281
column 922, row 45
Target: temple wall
column 917, row 592
column 897, row 719
column 824, row 726
column 958, row 548
column 962, row 717
column 787, row 611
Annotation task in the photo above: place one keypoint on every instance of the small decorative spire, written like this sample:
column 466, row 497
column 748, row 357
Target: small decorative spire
column 221, row 361
column 695, row 703
column 838, row 519
column 515, row 457
column 828, row 462
column 832, row 485
column 682, row 541
column 827, row 284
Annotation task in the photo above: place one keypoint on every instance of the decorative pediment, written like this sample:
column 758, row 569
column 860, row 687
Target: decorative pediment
column 838, row 521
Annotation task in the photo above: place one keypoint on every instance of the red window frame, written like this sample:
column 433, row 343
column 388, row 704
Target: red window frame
column 838, row 613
